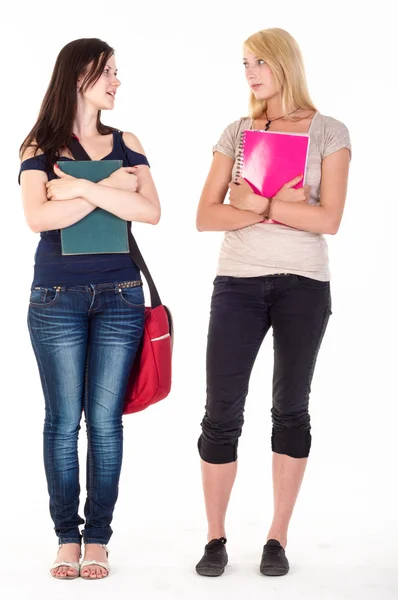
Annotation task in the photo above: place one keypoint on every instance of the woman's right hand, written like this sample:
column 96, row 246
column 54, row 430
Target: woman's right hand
column 288, row 193
column 124, row 178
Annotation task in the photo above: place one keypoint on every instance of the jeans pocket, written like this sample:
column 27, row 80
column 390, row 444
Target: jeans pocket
column 133, row 296
column 222, row 279
column 43, row 297
column 311, row 284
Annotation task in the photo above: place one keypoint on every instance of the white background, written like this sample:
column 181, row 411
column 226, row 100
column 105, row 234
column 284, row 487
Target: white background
column 182, row 83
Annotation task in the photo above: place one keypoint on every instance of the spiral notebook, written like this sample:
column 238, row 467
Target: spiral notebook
column 100, row 232
column 269, row 159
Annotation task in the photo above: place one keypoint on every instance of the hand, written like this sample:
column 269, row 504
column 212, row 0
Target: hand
column 66, row 187
column 287, row 193
column 125, row 178
column 242, row 196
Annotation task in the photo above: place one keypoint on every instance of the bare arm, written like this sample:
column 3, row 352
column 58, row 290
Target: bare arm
column 326, row 217
column 212, row 214
column 290, row 206
column 142, row 206
column 43, row 215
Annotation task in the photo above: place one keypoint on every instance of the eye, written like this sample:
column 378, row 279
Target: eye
column 261, row 61
column 106, row 71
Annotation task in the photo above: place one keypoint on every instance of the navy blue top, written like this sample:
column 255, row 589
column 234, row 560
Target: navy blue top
column 51, row 267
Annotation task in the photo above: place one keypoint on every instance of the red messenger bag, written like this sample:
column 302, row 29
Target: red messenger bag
column 150, row 377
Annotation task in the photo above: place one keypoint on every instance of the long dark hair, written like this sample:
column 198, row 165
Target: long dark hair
column 53, row 128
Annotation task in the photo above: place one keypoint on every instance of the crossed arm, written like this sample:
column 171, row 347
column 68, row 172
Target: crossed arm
column 129, row 193
column 290, row 206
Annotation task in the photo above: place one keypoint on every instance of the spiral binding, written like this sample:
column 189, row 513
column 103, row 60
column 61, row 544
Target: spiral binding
column 239, row 158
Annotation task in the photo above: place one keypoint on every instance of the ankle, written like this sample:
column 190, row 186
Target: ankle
column 216, row 534
column 279, row 537
column 69, row 547
column 96, row 547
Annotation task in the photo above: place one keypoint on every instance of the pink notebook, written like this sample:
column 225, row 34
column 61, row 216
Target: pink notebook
column 269, row 159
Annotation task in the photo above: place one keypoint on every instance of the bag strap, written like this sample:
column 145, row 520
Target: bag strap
column 79, row 153
column 77, row 150
column 137, row 257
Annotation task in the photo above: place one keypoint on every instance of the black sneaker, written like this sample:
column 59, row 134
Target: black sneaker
column 214, row 559
column 274, row 561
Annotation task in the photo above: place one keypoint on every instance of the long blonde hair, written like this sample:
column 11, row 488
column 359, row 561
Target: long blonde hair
column 281, row 52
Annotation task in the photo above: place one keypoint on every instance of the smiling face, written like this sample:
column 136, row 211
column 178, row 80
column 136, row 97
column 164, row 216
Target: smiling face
column 259, row 77
column 102, row 94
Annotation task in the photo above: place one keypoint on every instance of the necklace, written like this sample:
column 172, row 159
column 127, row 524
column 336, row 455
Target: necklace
column 268, row 123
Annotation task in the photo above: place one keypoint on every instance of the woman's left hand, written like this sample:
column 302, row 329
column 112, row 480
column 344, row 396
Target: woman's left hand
column 241, row 196
column 66, row 187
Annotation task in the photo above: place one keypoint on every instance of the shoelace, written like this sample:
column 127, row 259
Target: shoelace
column 215, row 546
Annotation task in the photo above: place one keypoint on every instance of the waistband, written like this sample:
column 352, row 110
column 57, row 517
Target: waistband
column 117, row 286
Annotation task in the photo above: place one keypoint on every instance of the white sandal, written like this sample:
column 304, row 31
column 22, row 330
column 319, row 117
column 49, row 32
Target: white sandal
column 90, row 563
column 71, row 565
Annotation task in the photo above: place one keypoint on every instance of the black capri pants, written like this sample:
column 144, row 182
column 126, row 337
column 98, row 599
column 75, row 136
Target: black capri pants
column 242, row 311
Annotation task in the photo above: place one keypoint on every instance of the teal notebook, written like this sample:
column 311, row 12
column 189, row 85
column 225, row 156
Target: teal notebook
column 100, row 232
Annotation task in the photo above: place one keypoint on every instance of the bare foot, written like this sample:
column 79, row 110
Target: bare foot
column 98, row 553
column 66, row 553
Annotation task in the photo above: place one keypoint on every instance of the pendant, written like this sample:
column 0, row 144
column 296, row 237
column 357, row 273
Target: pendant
column 267, row 125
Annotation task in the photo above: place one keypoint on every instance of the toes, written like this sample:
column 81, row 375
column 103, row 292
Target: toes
column 94, row 572
column 62, row 572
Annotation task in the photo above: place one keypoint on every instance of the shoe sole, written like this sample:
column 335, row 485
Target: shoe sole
column 274, row 571
column 208, row 572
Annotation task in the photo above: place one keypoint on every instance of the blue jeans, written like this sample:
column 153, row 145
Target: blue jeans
column 85, row 338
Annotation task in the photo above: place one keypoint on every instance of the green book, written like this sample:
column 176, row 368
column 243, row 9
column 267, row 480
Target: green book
column 100, row 232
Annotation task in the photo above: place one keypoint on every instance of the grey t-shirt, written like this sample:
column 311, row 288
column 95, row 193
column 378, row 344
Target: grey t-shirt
column 267, row 249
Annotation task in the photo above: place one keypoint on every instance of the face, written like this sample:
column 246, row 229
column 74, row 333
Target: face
column 102, row 94
column 259, row 77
